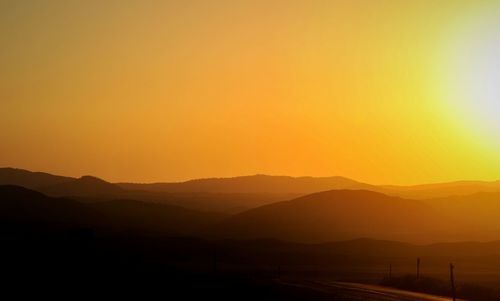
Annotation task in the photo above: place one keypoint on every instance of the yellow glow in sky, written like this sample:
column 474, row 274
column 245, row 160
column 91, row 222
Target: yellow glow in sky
column 380, row 91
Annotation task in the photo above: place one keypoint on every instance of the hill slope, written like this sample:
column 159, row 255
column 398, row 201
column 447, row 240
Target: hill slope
column 480, row 210
column 23, row 207
column 340, row 215
column 155, row 218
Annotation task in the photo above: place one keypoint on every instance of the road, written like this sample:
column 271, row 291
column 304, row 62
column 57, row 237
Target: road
column 364, row 292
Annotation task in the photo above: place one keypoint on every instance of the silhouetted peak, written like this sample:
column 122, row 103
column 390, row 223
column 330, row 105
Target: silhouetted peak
column 84, row 186
column 92, row 179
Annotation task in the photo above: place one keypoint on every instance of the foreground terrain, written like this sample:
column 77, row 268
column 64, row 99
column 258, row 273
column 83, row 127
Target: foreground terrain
column 76, row 237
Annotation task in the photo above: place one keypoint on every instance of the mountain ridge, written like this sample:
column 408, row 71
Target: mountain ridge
column 231, row 195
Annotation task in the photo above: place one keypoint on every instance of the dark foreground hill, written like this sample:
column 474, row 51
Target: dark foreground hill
column 155, row 218
column 21, row 206
column 339, row 215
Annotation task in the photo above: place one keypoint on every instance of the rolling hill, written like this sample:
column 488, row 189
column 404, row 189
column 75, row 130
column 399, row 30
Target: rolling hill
column 341, row 215
column 480, row 210
column 23, row 207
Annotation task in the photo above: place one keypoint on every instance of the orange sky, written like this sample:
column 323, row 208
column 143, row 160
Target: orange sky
column 173, row 90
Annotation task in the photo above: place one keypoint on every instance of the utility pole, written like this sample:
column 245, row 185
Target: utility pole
column 452, row 279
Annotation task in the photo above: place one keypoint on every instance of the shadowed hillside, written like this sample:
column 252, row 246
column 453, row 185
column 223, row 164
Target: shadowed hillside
column 23, row 206
column 155, row 218
column 480, row 210
column 339, row 215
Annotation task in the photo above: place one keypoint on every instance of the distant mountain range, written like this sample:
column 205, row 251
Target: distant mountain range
column 251, row 207
column 254, row 184
column 441, row 190
column 92, row 189
column 245, row 185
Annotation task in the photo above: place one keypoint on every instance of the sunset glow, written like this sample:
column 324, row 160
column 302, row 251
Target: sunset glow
column 381, row 91
column 471, row 81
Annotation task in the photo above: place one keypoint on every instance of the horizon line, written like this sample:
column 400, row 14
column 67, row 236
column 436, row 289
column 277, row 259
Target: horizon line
column 456, row 181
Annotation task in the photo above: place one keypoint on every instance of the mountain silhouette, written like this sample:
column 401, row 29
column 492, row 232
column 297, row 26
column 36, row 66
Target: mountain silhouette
column 29, row 179
column 230, row 195
column 254, row 184
column 339, row 215
column 84, row 187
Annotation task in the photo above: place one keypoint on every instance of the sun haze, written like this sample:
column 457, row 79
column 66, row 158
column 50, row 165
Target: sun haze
column 381, row 91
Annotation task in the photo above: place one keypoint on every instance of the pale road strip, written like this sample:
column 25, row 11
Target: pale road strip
column 365, row 292
column 376, row 293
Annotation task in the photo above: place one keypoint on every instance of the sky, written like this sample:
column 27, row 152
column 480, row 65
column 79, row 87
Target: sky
column 382, row 91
